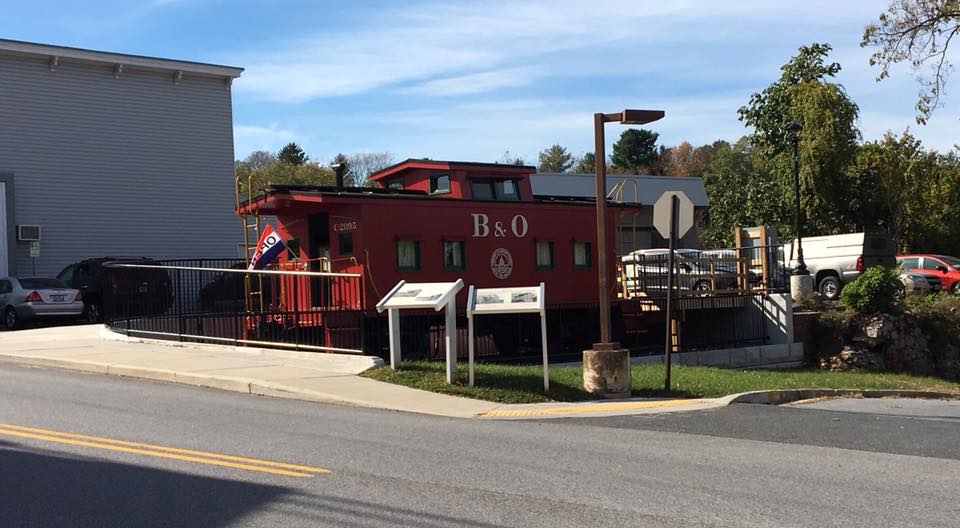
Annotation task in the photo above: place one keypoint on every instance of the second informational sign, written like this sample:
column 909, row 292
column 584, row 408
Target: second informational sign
column 508, row 300
column 491, row 301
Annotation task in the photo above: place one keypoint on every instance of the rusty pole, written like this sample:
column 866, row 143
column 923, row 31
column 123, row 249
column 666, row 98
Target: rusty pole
column 601, row 173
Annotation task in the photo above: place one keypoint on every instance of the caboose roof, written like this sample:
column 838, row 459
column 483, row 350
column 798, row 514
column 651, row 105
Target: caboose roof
column 411, row 163
column 636, row 189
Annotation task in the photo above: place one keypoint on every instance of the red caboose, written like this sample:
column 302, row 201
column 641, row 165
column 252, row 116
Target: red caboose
column 436, row 221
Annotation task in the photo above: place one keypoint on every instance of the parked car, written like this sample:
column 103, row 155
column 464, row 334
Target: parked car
column 226, row 292
column 138, row 291
column 837, row 260
column 914, row 283
column 645, row 270
column 942, row 267
column 27, row 299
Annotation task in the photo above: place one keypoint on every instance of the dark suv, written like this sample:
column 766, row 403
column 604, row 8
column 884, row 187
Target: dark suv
column 134, row 291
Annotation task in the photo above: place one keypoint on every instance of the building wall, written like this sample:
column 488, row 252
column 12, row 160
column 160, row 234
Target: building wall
column 136, row 165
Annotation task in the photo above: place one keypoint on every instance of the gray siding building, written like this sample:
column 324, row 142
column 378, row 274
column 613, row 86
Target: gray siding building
column 113, row 155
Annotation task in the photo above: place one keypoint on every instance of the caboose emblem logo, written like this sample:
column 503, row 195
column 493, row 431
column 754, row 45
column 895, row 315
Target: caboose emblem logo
column 501, row 263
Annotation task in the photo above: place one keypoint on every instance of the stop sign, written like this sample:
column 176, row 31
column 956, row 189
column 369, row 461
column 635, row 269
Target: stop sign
column 661, row 214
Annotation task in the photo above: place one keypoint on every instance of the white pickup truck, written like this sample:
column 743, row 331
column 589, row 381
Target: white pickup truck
column 837, row 260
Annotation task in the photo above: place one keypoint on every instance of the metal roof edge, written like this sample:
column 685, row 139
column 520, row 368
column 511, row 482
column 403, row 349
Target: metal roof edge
column 104, row 57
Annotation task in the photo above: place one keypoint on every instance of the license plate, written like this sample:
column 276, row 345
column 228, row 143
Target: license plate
column 57, row 298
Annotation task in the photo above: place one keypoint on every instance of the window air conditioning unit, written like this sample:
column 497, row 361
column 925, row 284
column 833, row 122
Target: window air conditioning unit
column 27, row 233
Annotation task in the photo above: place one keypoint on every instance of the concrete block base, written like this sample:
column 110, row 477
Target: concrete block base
column 801, row 287
column 606, row 373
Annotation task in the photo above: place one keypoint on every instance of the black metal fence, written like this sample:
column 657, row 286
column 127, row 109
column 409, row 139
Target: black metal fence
column 203, row 300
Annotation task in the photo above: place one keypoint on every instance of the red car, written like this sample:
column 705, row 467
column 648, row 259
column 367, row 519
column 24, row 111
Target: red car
column 947, row 268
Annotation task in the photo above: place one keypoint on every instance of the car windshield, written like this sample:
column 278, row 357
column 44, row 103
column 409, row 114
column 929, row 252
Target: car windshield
column 40, row 283
column 951, row 261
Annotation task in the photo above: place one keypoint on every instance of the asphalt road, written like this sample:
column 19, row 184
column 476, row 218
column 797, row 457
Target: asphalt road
column 197, row 457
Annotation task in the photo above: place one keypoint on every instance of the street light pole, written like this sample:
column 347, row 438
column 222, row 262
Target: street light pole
column 606, row 368
column 793, row 129
column 601, row 173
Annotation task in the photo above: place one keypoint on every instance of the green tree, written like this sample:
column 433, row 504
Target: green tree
column 555, row 159
column 586, row 164
column 635, row 151
column 768, row 112
column 740, row 190
column 292, row 154
column 827, row 141
column 917, row 32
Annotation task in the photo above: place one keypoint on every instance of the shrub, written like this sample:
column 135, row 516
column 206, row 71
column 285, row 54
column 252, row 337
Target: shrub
column 877, row 290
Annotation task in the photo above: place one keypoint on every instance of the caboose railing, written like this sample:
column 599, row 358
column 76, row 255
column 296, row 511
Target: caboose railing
column 196, row 301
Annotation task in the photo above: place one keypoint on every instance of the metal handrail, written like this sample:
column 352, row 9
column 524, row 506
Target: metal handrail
column 233, row 270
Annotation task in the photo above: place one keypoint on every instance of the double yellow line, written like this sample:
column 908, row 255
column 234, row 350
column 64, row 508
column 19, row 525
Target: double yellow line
column 157, row 451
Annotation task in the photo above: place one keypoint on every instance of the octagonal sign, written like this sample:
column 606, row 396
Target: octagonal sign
column 661, row 214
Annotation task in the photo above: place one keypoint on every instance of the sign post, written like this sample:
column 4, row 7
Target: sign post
column 435, row 295
column 34, row 253
column 506, row 301
column 673, row 217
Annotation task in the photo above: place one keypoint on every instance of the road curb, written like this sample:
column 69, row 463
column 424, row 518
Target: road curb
column 779, row 397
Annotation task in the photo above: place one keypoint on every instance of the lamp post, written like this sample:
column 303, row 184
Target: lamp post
column 606, row 368
column 793, row 130
column 801, row 283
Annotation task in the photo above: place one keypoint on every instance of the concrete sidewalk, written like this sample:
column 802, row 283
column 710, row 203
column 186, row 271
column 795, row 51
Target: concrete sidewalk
column 320, row 377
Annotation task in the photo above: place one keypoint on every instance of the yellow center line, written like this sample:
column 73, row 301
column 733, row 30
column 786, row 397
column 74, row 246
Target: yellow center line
column 201, row 457
column 577, row 409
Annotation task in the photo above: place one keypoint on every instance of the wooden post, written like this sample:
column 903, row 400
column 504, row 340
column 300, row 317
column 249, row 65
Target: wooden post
column 764, row 258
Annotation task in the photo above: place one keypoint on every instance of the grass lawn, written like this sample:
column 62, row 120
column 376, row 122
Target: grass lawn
column 524, row 384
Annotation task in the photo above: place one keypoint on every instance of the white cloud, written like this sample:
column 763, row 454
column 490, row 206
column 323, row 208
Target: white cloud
column 477, row 82
column 247, row 138
column 421, row 43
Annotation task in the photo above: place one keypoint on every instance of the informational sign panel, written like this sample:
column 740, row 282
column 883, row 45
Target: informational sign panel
column 508, row 300
column 419, row 295
column 492, row 301
column 433, row 295
column 661, row 214
column 34, row 248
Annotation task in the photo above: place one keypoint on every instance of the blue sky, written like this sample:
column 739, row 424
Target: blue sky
column 471, row 80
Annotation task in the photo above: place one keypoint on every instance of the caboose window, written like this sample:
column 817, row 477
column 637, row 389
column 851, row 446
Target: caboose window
column 482, row 189
column 544, row 255
column 440, row 183
column 501, row 190
column 507, row 190
column 408, row 255
column 581, row 255
column 454, row 255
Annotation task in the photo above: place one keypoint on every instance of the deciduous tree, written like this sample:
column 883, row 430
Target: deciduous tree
column 919, row 33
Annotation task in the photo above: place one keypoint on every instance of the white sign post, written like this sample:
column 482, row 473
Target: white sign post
column 435, row 295
column 506, row 301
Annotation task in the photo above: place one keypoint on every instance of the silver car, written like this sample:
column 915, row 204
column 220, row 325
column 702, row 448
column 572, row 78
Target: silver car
column 27, row 299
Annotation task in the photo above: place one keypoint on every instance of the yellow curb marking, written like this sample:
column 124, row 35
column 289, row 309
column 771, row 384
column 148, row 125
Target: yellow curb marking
column 202, row 457
column 577, row 409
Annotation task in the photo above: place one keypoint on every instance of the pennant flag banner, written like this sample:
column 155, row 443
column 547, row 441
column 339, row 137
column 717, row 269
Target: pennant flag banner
column 268, row 249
